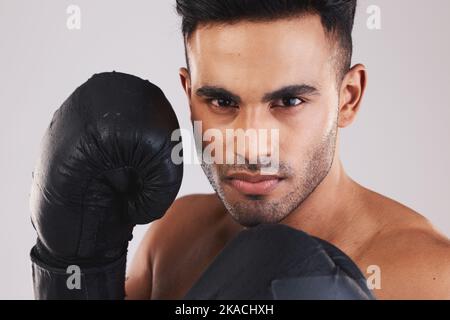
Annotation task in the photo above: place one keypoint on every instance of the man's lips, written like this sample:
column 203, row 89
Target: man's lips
column 253, row 184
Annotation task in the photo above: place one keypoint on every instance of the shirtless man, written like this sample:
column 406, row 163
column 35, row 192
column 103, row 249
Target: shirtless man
column 285, row 67
column 107, row 164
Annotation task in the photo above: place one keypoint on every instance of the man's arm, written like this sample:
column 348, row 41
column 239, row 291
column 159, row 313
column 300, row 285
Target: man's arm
column 140, row 272
column 194, row 229
column 138, row 284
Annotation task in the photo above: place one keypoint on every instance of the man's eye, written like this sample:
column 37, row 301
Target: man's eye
column 223, row 103
column 289, row 102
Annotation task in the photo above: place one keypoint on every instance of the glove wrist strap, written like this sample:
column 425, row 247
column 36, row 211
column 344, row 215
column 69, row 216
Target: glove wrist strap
column 106, row 282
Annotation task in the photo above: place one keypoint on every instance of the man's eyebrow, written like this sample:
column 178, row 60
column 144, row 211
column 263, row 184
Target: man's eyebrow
column 287, row 91
column 215, row 92
column 290, row 91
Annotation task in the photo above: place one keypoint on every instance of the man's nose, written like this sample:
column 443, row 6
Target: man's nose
column 251, row 141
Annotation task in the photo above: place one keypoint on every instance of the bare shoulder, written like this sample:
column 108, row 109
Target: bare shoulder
column 414, row 257
column 188, row 218
column 171, row 244
column 414, row 264
column 180, row 245
column 191, row 211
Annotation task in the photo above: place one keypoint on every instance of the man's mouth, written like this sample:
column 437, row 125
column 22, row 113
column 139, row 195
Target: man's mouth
column 253, row 184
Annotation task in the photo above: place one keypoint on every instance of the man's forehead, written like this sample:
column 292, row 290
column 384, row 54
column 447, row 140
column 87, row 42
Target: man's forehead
column 281, row 50
column 246, row 36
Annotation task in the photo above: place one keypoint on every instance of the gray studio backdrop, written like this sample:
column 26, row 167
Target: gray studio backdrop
column 399, row 145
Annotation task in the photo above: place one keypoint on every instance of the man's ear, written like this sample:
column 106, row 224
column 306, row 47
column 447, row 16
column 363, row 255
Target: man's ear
column 351, row 93
column 185, row 81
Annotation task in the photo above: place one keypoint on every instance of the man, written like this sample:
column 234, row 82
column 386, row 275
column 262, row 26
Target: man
column 283, row 65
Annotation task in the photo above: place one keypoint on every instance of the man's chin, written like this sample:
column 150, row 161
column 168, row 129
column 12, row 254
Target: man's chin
column 252, row 210
column 249, row 223
column 249, row 218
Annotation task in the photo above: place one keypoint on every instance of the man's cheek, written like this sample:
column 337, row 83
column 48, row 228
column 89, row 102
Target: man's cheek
column 308, row 131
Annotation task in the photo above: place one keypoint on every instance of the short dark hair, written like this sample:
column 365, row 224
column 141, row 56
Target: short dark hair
column 337, row 17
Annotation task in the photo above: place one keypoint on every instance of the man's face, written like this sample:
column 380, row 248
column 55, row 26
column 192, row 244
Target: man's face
column 266, row 75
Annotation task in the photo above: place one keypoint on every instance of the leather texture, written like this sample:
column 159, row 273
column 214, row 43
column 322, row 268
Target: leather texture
column 274, row 261
column 105, row 165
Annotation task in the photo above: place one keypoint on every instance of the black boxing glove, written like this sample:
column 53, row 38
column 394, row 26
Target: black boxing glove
column 105, row 166
column 274, row 261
